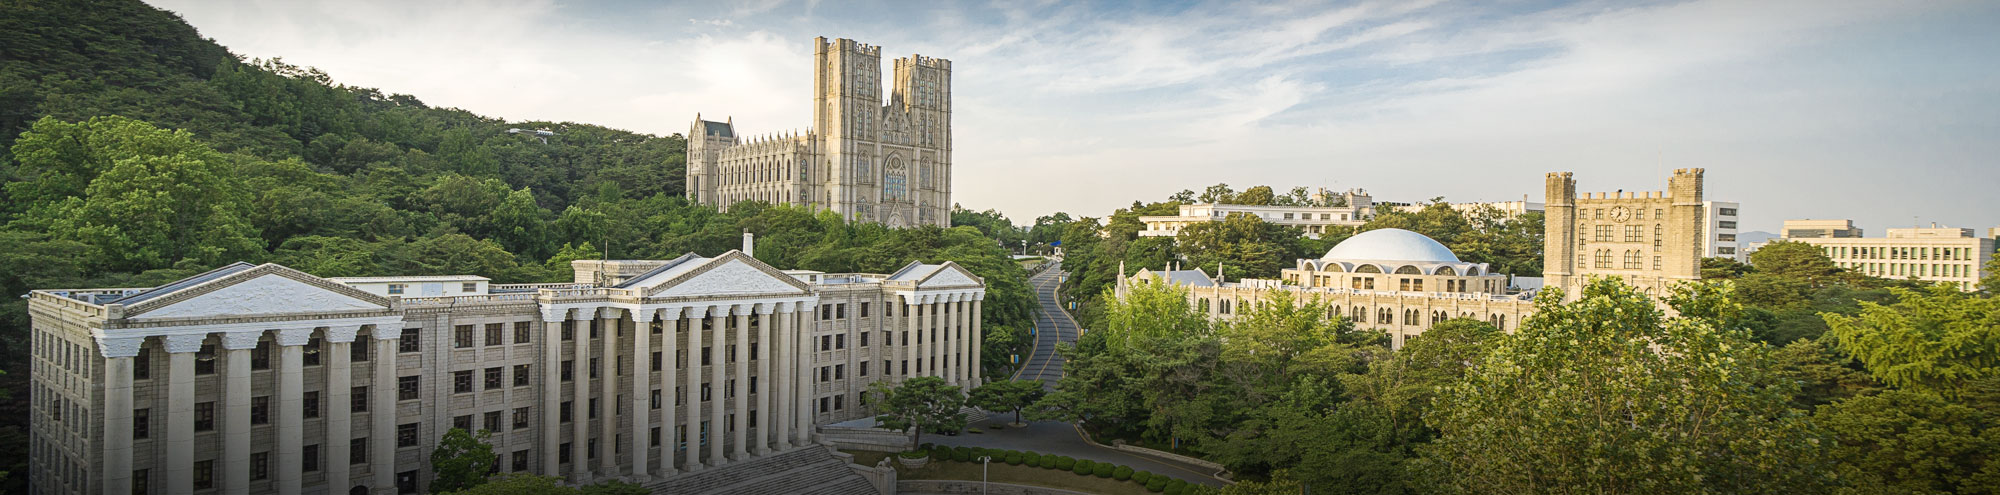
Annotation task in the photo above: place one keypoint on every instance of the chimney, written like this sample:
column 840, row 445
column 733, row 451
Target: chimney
column 749, row 249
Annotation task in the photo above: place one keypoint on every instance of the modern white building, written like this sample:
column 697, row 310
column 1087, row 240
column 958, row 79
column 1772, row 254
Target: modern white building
column 1314, row 220
column 1718, row 231
column 1506, row 209
column 1936, row 254
column 263, row 379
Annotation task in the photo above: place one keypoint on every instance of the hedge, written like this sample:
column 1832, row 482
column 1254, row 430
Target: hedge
column 1065, row 463
column 1122, row 473
column 1013, row 458
column 1142, row 477
column 1157, row 485
column 1084, row 467
column 1049, row 462
column 1102, row 470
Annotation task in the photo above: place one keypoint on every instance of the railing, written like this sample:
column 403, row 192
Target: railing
column 521, row 296
column 534, row 287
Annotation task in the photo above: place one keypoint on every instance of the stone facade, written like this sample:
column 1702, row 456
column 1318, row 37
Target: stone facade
column 1937, row 254
column 263, row 379
column 865, row 157
column 1313, row 220
column 1651, row 239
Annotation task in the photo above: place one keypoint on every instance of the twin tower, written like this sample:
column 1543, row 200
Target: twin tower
column 867, row 157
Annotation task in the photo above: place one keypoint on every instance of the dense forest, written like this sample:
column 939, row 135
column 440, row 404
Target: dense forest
column 135, row 152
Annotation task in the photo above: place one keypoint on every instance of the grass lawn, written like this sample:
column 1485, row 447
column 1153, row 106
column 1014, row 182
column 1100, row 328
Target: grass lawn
column 1000, row 472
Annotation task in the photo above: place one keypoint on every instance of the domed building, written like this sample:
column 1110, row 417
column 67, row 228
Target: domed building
column 1394, row 260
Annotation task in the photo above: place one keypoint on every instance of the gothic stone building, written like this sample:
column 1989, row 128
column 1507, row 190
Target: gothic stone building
column 866, row 157
column 264, row 379
column 1651, row 239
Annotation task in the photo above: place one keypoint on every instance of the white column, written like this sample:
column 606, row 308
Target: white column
column 919, row 349
column 802, row 327
column 236, row 348
column 670, row 319
column 382, row 409
column 339, row 408
column 118, row 354
column 978, row 340
column 291, row 411
column 740, row 451
column 961, row 333
column 180, row 412
column 642, row 391
column 579, row 401
column 783, row 383
column 717, row 382
column 909, row 347
column 607, row 413
column 551, row 451
column 948, row 340
column 764, row 355
column 693, row 392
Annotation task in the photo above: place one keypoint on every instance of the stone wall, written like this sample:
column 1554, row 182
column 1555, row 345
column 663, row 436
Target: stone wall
column 975, row 488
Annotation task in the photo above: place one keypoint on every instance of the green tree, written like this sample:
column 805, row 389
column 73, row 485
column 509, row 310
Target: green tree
column 1937, row 340
column 462, row 460
column 920, row 404
column 1007, row 395
column 1713, row 268
column 1241, row 246
column 1607, row 394
column 1907, row 441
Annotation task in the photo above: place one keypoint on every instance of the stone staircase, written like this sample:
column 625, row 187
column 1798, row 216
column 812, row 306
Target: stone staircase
column 810, row 470
column 973, row 416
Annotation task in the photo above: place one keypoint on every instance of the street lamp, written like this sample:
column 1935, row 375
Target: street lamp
column 983, row 461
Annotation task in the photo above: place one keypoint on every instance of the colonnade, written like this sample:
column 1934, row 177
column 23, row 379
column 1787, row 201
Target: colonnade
column 946, row 332
column 234, row 416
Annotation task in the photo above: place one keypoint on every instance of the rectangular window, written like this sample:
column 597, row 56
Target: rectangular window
column 204, row 474
column 864, row 368
column 840, row 341
column 461, row 382
column 864, row 310
column 406, row 435
column 357, row 352
column 521, row 375
column 520, row 418
column 494, row 377
column 593, row 367
column 406, row 388
column 142, row 365
column 705, row 355
column 864, row 339
column 357, row 451
column 260, row 410
column 1727, row 212
column 204, row 360
column 260, row 465
column 564, row 413
column 493, row 421
column 520, row 461
column 592, row 414
column 568, row 330
column 311, row 406
column 142, row 423
column 839, row 371
column 309, row 458
column 396, row 289
column 312, row 351
column 840, row 310
column 468, row 287
column 463, row 422
column 409, row 341
column 358, row 400
column 1726, row 224
column 496, row 333
column 260, row 356
column 568, row 370
column 524, row 331
column 461, row 336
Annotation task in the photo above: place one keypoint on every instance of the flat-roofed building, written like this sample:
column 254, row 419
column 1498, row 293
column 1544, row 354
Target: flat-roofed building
column 1936, row 254
column 1357, row 208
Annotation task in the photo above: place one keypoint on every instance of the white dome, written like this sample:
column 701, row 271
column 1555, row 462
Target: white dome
column 1391, row 245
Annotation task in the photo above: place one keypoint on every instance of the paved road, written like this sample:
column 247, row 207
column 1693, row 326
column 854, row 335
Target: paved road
column 1052, row 325
column 1054, row 437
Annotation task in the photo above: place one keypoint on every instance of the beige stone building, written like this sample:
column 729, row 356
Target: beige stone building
column 264, row 379
column 1651, row 239
column 868, row 157
column 1394, row 280
column 1938, row 254
column 1314, row 220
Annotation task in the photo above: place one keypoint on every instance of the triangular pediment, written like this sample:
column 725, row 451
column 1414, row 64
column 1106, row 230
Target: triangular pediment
column 730, row 274
column 950, row 275
column 265, row 290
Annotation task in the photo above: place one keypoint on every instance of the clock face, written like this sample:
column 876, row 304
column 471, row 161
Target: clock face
column 1620, row 214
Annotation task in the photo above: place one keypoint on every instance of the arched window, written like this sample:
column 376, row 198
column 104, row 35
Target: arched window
column 1409, row 270
column 1446, row 270
column 1368, row 269
column 895, row 179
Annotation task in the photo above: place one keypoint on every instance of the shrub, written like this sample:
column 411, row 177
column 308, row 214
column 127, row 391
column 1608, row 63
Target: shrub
column 1142, row 477
column 1049, row 462
column 1065, row 463
column 1031, row 459
column 1173, row 489
column 1122, row 473
column 914, row 454
column 1157, row 485
column 961, row 454
column 1012, row 459
column 1084, row 467
column 1102, row 470
column 1177, row 485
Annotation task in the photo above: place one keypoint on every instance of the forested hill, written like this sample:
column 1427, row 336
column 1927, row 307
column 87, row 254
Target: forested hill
column 77, row 59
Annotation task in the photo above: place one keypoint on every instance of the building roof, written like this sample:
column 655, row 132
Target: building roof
column 1194, row 278
column 717, row 129
column 224, row 271
column 1391, row 245
column 667, row 271
column 914, row 272
column 412, row 278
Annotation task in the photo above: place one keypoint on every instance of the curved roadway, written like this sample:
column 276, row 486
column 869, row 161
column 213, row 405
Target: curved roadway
column 1052, row 326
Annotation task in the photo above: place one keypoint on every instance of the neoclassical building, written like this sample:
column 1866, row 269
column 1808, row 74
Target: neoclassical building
column 868, row 157
column 1394, row 280
column 263, row 379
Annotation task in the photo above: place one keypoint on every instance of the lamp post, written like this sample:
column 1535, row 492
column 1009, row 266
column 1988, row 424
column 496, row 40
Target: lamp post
column 983, row 461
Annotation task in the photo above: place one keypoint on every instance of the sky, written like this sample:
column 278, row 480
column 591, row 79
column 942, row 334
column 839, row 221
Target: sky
column 1887, row 113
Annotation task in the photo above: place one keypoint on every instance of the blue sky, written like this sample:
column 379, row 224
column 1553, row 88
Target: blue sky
column 1887, row 113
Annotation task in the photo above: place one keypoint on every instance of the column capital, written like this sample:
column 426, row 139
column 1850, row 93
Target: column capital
column 641, row 316
column 670, row 313
column 552, row 314
column 237, row 341
column 979, row 296
column 784, row 307
column 119, row 347
column 185, row 343
column 741, row 309
column 607, row 312
column 766, row 308
column 295, row 336
column 341, row 334
column 695, row 312
column 387, row 331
